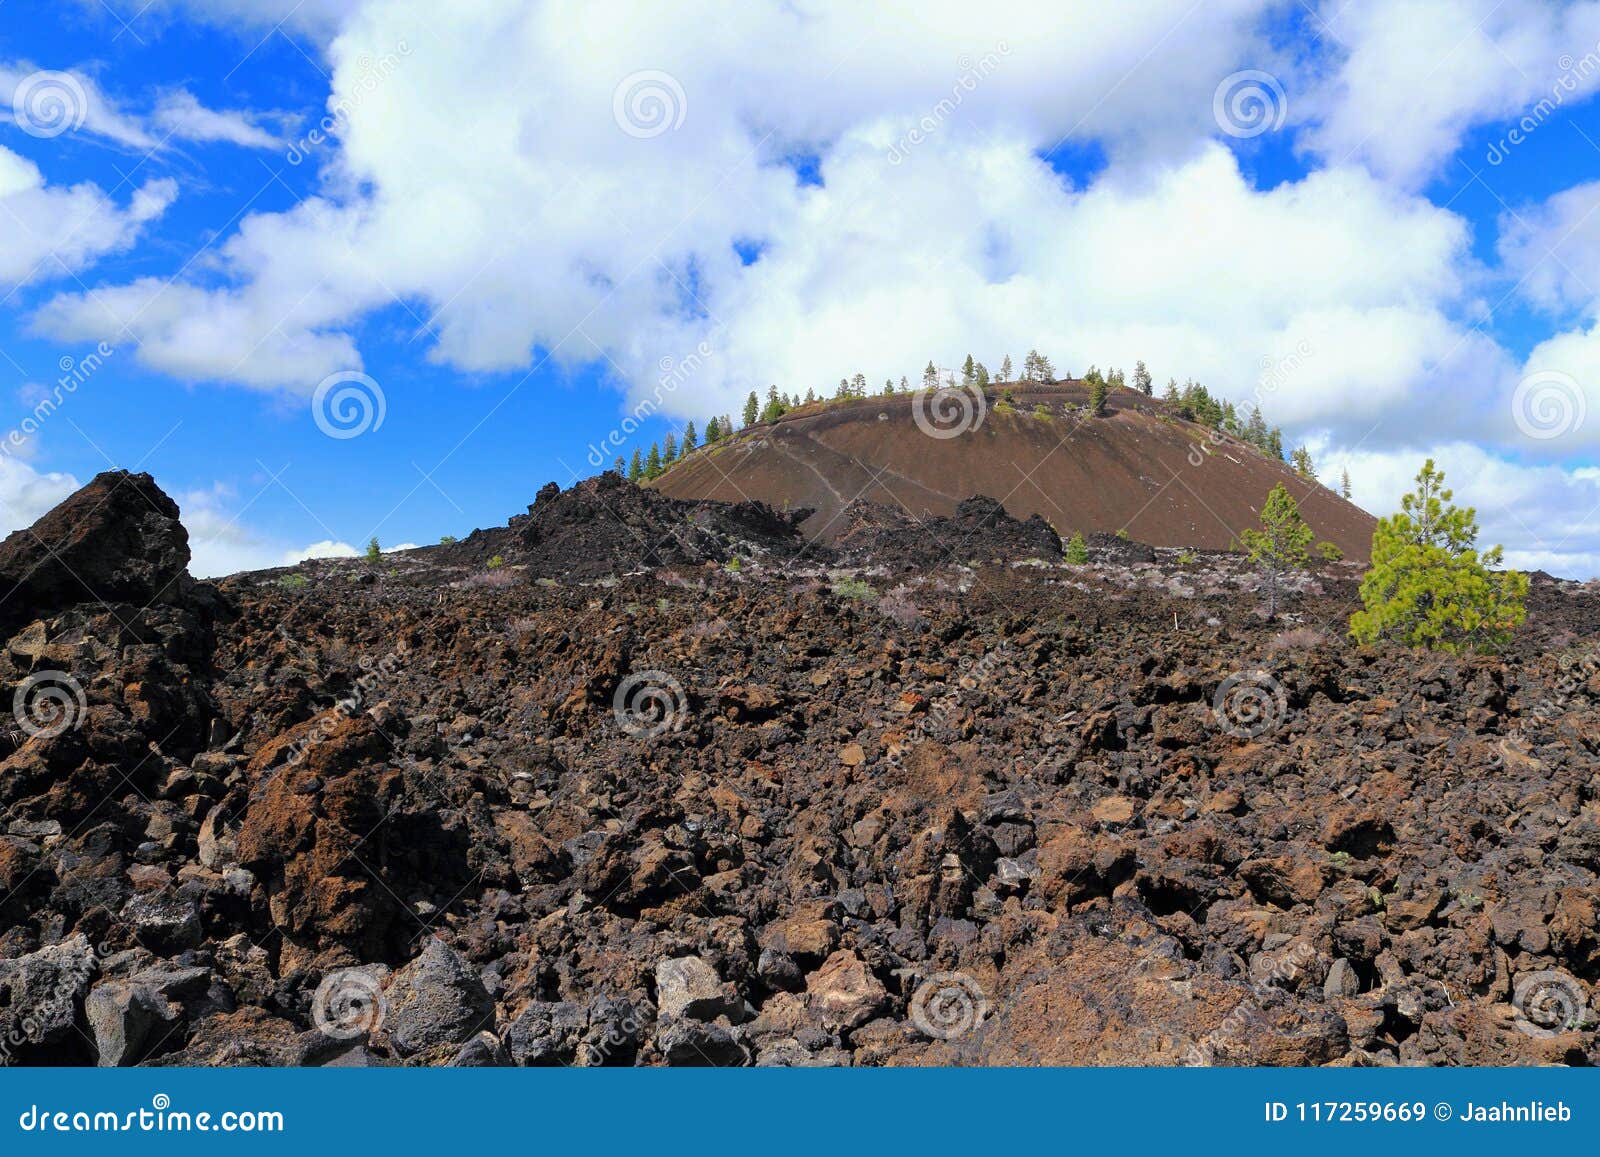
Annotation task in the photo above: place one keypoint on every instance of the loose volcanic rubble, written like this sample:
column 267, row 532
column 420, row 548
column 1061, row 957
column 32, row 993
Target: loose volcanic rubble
column 636, row 804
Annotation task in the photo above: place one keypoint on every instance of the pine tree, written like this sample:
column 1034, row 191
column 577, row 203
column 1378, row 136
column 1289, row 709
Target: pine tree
column 1275, row 443
column 752, row 409
column 1300, row 460
column 1344, row 484
column 969, row 372
column 844, row 388
column 1171, row 392
column 1047, row 372
column 374, row 551
column 888, row 387
column 983, row 375
column 636, row 467
column 690, row 440
column 1255, row 431
column 620, row 465
column 1076, row 552
column 1429, row 586
column 1142, row 380
column 774, row 408
column 652, row 464
column 669, row 449
column 713, row 430
column 905, row 385
column 1115, row 380
column 930, row 378
column 858, row 385
column 811, row 396
column 1005, row 369
column 1098, row 389
column 1280, row 547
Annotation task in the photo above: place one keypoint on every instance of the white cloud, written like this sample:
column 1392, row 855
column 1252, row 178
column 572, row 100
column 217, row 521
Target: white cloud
column 1553, row 249
column 27, row 493
column 51, row 102
column 67, row 100
column 51, row 231
column 318, row 18
column 1412, row 77
column 220, row 544
column 549, row 227
column 180, row 115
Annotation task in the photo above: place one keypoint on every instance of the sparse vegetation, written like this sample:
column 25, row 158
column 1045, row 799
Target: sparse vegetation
column 1076, row 552
column 853, row 588
column 496, row 562
column 294, row 582
column 1329, row 552
column 1429, row 586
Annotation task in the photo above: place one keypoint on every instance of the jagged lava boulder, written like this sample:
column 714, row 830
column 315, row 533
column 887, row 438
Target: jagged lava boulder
column 117, row 540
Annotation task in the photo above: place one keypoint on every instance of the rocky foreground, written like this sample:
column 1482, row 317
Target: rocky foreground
column 665, row 785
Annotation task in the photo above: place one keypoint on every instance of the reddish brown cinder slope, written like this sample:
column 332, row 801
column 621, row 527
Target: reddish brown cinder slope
column 1137, row 468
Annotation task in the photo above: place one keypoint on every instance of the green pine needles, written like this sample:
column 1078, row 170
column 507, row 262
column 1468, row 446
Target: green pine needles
column 1429, row 586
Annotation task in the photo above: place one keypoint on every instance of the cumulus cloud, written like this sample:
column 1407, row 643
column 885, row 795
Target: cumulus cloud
column 1412, row 77
column 221, row 543
column 564, row 222
column 54, row 231
column 26, row 493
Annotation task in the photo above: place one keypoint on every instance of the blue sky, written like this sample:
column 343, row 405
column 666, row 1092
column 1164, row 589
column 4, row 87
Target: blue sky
column 509, row 249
